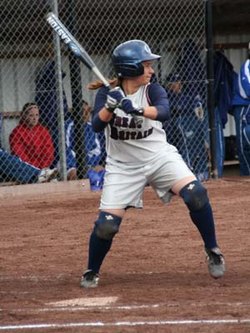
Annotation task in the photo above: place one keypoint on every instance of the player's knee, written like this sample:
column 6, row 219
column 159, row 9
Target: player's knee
column 107, row 225
column 194, row 195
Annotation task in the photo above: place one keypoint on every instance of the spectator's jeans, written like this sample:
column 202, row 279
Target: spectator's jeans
column 242, row 123
column 13, row 168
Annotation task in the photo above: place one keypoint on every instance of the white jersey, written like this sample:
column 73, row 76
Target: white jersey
column 135, row 142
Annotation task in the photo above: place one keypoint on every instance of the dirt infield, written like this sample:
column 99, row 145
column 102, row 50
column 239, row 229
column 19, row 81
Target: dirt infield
column 154, row 279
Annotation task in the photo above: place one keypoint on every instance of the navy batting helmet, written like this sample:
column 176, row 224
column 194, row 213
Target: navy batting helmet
column 127, row 58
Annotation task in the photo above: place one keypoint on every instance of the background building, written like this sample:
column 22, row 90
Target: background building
column 170, row 27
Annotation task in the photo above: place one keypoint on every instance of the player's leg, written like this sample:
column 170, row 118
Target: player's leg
column 195, row 197
column 241, row 119
column 169, row 175
column 120, row 191
column 246, row 140
column 246, row 147
column 101, row 238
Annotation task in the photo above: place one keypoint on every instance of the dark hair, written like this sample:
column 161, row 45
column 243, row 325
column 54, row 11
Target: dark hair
column 28, row 106
column 84, row 103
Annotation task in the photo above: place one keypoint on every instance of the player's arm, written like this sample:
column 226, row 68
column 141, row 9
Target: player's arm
column 158, row 108
column 101, row 115
column 159, row 104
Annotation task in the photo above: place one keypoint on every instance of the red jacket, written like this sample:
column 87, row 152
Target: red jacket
column 32, row 145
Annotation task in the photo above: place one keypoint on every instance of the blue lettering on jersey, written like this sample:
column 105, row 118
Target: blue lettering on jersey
column 118, row 133
column 125, row 122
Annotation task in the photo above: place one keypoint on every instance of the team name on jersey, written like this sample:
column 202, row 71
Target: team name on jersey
column 119, row 132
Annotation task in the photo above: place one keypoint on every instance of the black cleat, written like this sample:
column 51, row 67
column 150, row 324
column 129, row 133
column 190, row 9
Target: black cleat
column 89, row 279
column 216, row 262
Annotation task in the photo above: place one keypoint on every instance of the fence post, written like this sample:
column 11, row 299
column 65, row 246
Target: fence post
column 77, row 98
column 59, row 84
column 210, row 88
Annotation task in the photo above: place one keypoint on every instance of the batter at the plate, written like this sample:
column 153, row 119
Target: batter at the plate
column 139, row 155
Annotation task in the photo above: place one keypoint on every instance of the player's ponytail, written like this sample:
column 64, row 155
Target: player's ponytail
column 98, row 84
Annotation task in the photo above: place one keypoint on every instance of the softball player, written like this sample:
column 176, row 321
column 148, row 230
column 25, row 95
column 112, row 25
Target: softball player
column 241, row 111
column 138, row 154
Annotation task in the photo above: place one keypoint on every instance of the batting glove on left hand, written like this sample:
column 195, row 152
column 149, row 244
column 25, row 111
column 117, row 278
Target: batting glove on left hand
column 114, row 98
column 128, row 107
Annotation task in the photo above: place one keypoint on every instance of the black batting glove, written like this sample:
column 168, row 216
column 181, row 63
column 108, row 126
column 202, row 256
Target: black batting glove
column 128, row 107
column 114, row 98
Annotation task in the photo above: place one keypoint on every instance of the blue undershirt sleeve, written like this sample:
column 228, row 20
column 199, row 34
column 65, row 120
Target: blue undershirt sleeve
column 158, row 98
column 100, row 100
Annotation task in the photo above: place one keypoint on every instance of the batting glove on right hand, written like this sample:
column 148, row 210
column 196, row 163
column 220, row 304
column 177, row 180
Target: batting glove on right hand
column 114, row 98
column 128, row 107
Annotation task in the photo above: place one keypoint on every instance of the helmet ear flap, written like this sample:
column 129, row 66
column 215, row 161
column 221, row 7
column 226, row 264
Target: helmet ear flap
column 129, row 70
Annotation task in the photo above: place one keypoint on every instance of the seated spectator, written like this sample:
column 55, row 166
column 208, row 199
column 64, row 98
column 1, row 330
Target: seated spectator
column 185, row 130
column 31, row 141
column 94, row 147
column 14, row 169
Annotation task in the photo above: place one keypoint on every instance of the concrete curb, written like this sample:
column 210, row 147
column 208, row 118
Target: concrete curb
column 59, row 187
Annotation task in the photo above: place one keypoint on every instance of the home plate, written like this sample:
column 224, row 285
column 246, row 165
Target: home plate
column 90, row 301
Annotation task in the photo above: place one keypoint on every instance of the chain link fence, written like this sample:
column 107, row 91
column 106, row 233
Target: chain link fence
column 35, row 68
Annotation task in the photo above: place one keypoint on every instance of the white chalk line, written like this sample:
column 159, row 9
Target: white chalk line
column 83, row 308
column 35, row 278
column 124, row 307
column 128, row 323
